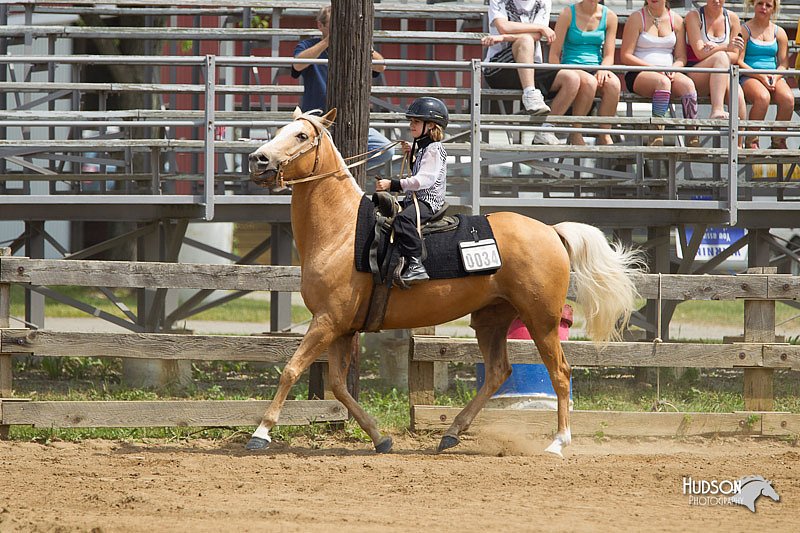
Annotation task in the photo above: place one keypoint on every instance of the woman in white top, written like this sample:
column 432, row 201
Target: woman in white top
column 714, row 41
column 654, row 37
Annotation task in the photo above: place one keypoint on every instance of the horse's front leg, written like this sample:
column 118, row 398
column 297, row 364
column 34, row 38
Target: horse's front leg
column 319, row 336
column 339, row 356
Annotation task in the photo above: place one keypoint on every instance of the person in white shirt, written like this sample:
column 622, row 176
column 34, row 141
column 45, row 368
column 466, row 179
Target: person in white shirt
column 516, row 30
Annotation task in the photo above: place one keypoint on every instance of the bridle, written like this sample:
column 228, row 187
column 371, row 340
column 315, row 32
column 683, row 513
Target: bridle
column 315, row 145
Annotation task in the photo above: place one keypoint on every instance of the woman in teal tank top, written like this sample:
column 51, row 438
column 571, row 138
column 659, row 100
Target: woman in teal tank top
column 766, row 46
column 585, row 35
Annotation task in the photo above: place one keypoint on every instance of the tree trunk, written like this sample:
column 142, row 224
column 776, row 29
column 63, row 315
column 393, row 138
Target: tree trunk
column 350, row 76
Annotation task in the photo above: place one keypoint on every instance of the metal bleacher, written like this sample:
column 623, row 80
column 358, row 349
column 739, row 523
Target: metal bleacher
column 69, row 152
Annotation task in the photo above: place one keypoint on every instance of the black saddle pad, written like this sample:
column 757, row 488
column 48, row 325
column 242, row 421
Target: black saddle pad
column 444, row 259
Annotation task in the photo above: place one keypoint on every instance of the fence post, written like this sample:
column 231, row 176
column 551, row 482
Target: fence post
column 6, row 360
column 421, row 379
column 759, row 326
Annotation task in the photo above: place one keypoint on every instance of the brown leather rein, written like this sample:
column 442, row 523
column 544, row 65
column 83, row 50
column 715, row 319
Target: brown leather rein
column 315, row 144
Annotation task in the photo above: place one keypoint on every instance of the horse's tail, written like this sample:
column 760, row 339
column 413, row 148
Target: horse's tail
column 603, row 279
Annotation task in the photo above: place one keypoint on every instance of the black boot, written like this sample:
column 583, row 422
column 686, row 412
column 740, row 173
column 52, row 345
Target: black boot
column 414, row 272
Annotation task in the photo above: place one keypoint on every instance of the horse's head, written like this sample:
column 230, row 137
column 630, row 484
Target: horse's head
column 293, row 152
column 769, row 491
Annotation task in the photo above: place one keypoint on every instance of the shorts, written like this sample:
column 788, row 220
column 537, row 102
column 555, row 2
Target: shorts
column 508, row 78
column 630, row 79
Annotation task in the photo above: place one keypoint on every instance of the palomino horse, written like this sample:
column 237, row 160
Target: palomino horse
column 531, row 284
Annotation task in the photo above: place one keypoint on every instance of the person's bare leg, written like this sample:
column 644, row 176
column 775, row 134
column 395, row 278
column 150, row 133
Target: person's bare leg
column 569, row 91
column 608, row 105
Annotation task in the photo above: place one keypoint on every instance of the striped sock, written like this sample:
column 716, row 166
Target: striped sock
column 661, row 103
column 689, row 102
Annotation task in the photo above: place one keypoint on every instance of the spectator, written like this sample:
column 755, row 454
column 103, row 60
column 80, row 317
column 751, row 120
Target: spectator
column 766, row 47
column 315, row 81
column 714, row 41
column 655, row 38
column 517, row 28
column 586, row 34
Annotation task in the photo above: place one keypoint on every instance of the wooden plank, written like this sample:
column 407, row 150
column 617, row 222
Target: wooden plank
column 776, row 424
column 149, row 274
column 167, row 413
column 584, row 353
column 759, row 326
column 706, row 287
column 421, row 381
column 6, row 361
column 597, row 423
column 782, row 356
column 783, row 287
column 261, row 348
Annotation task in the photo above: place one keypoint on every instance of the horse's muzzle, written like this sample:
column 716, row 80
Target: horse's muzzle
column 265, row 179
column 262, row 172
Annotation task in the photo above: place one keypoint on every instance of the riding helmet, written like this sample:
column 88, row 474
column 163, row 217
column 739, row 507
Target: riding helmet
column 429, row 109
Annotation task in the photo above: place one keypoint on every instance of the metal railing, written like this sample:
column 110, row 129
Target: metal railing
column 474, row 95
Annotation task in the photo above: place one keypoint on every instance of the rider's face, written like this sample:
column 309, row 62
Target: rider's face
column 415, row 127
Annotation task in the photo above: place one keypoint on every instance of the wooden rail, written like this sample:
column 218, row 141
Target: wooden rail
column 758, row 355
column 260, row 348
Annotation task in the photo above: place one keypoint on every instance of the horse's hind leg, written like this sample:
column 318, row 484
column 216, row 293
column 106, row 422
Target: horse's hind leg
column 491, row 329
column 545, row 335
column 319, row 336
column 339, row 355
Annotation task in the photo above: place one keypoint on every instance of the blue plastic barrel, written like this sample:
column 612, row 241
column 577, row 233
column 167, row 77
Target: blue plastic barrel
column 528, row 386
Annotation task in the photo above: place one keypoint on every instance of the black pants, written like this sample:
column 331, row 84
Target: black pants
column 405, row 228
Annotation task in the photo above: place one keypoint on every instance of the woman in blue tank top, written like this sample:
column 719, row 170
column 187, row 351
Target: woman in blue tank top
column 766, row 47
column 585, row 35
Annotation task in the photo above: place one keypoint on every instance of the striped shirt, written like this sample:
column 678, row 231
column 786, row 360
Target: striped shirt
column 429, row 177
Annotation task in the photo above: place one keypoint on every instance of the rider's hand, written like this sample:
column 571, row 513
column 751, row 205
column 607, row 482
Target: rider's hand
column 383, row 185
column 405, row 146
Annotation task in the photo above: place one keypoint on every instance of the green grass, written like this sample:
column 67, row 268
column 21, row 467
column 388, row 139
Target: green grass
column 593, row 389
column 239, row 310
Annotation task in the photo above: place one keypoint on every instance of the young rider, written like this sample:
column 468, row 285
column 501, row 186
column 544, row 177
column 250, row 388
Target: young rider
column 428, row 118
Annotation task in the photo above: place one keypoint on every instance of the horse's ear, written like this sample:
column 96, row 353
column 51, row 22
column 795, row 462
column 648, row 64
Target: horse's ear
column 297, row 113
column 328, row 118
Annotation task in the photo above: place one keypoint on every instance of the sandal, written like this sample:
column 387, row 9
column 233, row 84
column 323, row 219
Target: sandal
column 692, row 141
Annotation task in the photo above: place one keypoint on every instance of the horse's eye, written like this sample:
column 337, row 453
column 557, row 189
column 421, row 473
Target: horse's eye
column 302, row 137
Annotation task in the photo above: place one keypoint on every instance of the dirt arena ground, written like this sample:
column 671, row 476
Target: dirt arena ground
column 495, row 481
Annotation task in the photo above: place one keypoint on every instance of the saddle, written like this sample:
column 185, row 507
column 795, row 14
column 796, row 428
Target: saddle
column 380, row 251
column 375, row 254
column 386, row 208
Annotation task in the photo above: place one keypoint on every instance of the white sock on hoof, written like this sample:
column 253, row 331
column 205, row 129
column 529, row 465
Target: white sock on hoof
column 561, row 441
column 262, row 433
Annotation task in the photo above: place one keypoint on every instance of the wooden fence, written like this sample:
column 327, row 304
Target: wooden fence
column 758, row 354
column 65, row 414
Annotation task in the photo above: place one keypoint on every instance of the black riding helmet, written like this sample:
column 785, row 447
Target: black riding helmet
column 429, row 109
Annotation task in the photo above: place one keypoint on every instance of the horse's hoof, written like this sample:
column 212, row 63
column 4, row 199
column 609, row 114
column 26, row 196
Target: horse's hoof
column 448, row 441
column 257, row 443
column 384, row 446
column 555, row 448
